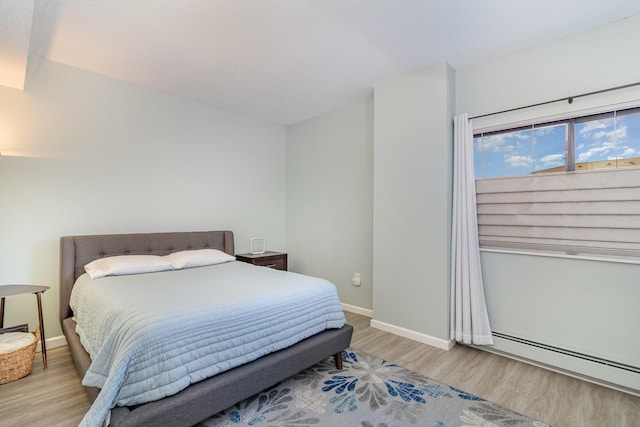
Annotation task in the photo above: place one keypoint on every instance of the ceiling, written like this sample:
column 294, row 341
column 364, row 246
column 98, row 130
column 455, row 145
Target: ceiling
column 281, row 60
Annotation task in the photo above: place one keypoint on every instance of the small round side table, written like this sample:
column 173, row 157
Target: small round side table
column 10, row 290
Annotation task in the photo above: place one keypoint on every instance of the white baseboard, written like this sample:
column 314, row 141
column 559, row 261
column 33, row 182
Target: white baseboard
column 54, row 342
column 357, row 310
column 397, row 330
column 413, row 335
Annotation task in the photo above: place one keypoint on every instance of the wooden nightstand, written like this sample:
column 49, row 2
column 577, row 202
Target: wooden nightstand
column 277, row 260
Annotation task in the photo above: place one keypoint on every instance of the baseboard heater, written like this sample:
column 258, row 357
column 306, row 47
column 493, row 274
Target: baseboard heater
column 630, row 368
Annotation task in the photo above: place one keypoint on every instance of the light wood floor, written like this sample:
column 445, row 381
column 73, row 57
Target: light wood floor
column 55, row 397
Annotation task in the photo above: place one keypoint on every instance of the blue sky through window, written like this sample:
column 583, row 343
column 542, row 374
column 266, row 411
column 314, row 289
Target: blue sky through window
column 520, row 152
column 603, row 139
column 608, row 139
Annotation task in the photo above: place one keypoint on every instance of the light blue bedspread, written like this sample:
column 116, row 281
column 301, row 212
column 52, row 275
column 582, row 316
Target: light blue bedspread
column 151, row 335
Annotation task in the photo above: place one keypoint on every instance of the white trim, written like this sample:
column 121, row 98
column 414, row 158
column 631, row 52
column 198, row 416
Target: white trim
column 559, row 255
column 357, row 310
column 55, row 342
column 413, row 335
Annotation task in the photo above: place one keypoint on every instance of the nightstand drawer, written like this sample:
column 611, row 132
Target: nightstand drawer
column 277, row 260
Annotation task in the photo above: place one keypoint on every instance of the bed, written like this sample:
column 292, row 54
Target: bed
column 209, row 396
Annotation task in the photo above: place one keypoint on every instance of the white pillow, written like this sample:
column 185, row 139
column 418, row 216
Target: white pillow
column 126, row 264
column 197, row 258
column 12, row 341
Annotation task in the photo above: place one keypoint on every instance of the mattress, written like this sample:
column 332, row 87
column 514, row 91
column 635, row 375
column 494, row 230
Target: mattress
column 152, row 335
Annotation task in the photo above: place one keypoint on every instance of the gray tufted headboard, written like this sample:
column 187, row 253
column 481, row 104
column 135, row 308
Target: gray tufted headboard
column 77, row 251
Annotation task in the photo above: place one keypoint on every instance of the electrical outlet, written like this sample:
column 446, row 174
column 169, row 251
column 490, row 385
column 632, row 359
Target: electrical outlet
column 355, row 281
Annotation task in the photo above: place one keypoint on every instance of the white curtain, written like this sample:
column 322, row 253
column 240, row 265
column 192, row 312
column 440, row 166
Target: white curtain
column 469, row 318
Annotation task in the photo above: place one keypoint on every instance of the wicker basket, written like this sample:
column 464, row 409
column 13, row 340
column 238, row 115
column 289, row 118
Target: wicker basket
column 18, row 363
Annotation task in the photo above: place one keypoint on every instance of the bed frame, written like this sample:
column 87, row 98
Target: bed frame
column 205, row 398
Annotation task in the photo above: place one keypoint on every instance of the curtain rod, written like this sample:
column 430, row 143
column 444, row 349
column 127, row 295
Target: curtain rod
column 568, row 99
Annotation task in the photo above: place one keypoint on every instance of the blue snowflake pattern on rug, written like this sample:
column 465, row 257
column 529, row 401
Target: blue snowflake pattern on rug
column 368, row 392
column 372, row 384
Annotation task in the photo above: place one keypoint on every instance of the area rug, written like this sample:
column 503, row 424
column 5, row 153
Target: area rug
column 368, row 392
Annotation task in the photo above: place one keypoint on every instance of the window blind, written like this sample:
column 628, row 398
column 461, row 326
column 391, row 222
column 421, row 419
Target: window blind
column 589, row 213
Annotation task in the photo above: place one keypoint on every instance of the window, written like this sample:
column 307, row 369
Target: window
column 594, row 211
column 520, row 151
column 609, row 140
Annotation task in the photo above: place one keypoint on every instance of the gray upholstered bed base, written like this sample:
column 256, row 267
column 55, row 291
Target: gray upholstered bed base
column 205, row 398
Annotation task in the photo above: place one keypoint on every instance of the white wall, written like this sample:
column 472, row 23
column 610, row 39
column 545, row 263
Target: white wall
column 580, row 304
column 86, row 154
column 598, row 59
column 412, row 203
column 330, row 199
